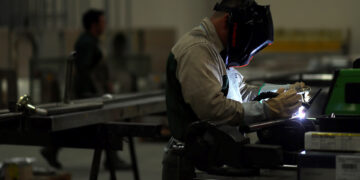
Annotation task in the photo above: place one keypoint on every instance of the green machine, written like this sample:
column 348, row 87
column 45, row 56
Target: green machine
column 344, row 95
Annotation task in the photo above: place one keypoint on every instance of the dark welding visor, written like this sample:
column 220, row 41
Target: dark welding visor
column 250, row 30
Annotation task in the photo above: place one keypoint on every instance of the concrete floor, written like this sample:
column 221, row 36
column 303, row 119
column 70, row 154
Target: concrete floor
column 78, row 161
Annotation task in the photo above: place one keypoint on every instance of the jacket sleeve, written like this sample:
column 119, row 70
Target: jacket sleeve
column 254, row 111
column 248, row 92
column 200, row 76
column 239, row 90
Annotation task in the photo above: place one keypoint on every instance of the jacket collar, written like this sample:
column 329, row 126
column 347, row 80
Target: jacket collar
column 211, row 34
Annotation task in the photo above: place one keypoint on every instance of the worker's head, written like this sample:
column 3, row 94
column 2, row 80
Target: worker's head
column 244, row 28
column 221, row 18
column 94, row 22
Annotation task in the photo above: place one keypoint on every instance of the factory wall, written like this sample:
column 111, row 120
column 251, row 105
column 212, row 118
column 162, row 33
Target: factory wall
column 185, row 14
column 181, row 15
column 332, row 14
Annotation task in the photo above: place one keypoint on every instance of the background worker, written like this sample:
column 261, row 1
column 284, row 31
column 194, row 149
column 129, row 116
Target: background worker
column 91, row 77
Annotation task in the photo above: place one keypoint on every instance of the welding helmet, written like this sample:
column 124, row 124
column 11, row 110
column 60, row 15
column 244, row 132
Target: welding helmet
column 250, row 30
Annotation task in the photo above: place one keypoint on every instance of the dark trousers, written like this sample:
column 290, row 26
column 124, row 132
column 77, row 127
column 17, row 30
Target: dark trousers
column 176, row 166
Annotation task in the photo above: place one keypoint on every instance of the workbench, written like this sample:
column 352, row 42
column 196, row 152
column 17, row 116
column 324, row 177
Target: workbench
column 102, row 126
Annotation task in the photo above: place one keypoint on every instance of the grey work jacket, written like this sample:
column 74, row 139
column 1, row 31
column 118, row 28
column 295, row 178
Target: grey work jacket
column 199, row 70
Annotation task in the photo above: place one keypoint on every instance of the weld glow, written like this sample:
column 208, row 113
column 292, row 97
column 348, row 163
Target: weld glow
column 300, row 114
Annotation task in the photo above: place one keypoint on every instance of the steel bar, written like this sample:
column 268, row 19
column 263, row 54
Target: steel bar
column 118, row 110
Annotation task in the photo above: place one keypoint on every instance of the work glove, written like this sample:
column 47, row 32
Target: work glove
column 302, row 89
column 283, row 105
column 299, row 86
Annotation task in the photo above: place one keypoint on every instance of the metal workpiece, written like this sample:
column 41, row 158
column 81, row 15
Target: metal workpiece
column 311, row 78
column 117, row 109
column 264, row 125
column 115, row 98
column 85, row 112
column 63, row 108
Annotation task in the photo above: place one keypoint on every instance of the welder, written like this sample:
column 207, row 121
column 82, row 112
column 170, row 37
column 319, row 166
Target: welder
column 203, row 84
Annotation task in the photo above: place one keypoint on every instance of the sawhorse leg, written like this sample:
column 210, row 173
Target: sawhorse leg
column 133, row 158
column 95, row 166
column 110, row 162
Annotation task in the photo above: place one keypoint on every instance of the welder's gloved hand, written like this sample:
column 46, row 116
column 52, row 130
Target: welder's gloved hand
column 283, row 105
column 299, row 86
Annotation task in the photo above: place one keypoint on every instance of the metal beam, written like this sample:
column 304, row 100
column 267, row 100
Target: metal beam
column 117, row 109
